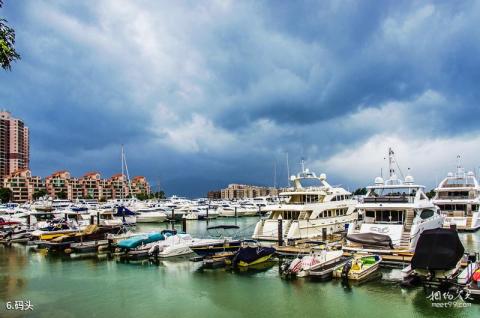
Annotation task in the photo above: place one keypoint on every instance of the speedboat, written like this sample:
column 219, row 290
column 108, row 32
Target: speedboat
column 176, row 245
column 55, row 228
column 219, row 243
column 251, row 253
column 312, row 208
column 393, row 215
column 143, row 239
column 437, row 258
column 318, row 260
column 151, row 215
column 359, row 268
column 458, row 197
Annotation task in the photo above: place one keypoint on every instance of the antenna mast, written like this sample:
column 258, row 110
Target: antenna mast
column 274, row 173
column 288, row 172
column 391, row 162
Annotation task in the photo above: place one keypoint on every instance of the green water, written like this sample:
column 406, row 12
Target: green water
column 178, row 288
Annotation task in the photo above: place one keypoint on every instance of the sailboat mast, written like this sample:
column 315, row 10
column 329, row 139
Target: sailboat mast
column 123, row 175
column 128, row 175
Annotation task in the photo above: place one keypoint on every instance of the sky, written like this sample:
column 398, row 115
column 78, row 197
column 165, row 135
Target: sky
column 207, row 93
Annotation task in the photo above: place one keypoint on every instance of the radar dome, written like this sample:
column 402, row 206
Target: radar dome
column 378, row 180
column 470, row 174
column 450, row 174
column 323, row 176
column 409, row 179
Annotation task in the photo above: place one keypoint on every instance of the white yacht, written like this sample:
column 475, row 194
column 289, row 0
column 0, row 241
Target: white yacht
column 308, row 211
column 395, row 213
column 458, row 197
column 151, row 213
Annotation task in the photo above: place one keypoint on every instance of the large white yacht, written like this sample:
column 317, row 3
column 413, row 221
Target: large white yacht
column 308, row 211
column 458, row 197
column 395, row 212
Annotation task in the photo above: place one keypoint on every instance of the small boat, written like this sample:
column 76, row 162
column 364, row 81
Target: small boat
column 8, row 223
column 87, row 247
column 473, row 287
column 217, row 260
column 174, row 245
column 251, row 253
column 64, row 243
column 437, row 258
column 55, row 229
column 317, row 261
column 220, row 243
column 151, row 215
column 139, row 240
column 359, row 268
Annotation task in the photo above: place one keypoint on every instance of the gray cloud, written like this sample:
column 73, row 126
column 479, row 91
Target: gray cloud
column 205, row 93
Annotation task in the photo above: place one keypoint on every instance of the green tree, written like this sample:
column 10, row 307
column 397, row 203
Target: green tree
column 157, row 195
column 142, row 196
column 40, row 193
column 102, row 199
column 7, row 44
column 360, row 191
column 430, row 194
column 6, row 195
column 62, row 195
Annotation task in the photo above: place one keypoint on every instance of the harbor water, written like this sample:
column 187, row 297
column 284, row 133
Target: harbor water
column 92, row 287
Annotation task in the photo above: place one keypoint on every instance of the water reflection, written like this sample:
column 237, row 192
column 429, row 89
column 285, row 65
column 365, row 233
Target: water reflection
column 108, row 287
column 12, row 261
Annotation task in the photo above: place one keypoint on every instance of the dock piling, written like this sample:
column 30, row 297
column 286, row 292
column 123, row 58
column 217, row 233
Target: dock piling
column 235, row 212
column 280, row 232
column 184, row 225
column 98, row 218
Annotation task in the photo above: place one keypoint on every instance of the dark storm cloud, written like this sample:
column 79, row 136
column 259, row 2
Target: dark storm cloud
column 204, row 93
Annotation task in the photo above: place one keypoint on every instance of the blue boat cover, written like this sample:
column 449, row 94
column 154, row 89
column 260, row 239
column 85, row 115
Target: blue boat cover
column 121, row 211
column 136, row 241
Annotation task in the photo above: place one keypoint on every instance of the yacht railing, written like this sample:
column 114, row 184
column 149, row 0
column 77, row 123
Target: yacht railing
column 456, row 197
column 457, row 185
column 388, row 199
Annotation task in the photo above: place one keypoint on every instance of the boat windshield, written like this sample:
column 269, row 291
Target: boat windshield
column 303, row 198
column 311, row 183
column 392, row 192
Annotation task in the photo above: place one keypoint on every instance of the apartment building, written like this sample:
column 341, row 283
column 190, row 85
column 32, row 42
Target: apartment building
column 14, row 144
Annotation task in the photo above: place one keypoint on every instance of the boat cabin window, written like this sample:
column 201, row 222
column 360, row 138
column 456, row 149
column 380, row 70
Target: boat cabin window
column 384, row 216
column 453, row 207
column 286, row 215
column 380, row 192
column 425, row 214
column 341, row 197
column 305, row 198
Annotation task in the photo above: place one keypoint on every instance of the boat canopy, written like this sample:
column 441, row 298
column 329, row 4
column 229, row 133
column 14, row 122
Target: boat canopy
column 373, row 239
column 123, row 211
column 438, row 249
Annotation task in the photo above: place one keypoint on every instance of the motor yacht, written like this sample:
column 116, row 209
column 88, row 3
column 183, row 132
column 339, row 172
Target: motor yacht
column 394, row 213
column 458, row 197
column 312, row 208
